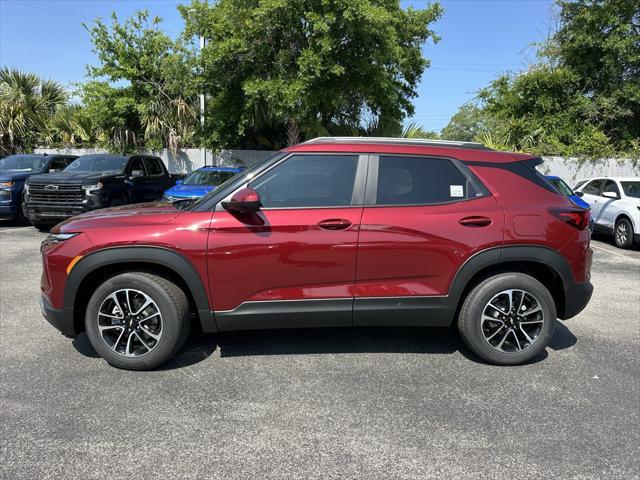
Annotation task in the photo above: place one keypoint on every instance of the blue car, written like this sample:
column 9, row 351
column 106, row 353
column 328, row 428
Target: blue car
column 15, row 169
column 566, row 190
column 200, row 182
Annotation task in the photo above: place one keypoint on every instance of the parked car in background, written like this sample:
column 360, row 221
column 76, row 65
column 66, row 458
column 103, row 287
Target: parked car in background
column 332, row 232
column 575, row 197
column 14, row 171
column 615, row 207
column 567, row 191
column 95, row 181
column 200, row 182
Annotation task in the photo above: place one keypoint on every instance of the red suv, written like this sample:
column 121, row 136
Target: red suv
column 331, row 232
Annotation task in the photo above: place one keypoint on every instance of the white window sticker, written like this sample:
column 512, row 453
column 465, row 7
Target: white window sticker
column 456, row 190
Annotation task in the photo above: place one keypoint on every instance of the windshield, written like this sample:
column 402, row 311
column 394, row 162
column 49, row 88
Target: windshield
column 631, row 189
column 97, row 163
column 23, row 163
column 236, row 180
column 562, row 187
column 204, row 177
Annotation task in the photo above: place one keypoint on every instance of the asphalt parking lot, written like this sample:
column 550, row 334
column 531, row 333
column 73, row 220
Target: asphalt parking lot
column 338, row 403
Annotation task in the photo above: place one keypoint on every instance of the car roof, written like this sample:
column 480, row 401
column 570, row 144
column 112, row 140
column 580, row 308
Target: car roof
column 468, row 151
column 619, row 179
column 40, row 155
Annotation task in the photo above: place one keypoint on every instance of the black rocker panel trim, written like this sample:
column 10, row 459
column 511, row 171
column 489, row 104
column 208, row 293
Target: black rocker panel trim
column 287, row 314
column 143, row 254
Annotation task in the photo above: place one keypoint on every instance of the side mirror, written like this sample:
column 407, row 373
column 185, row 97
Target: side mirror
column 245, row 200
column 54, row 170
column 137, row 173
column 610, row 194
column 178, row 182
column 579, row 194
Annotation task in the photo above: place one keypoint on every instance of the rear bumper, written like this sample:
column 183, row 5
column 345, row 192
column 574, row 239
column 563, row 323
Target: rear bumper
column 577, row 296
column 62, row 319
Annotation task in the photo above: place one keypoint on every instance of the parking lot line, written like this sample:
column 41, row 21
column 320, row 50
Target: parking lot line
column 617, row 254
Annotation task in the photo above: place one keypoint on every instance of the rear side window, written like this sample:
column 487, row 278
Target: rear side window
column 421, row 181
column 308, row 181
column 593, row 187
column 153, row 166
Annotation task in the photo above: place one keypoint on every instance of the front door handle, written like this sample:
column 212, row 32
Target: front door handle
column 334, row 224
column 475, row 221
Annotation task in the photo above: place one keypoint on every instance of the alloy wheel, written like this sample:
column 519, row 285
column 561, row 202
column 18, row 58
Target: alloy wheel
column 622, row 233
column 129, row 322
column 512, row 320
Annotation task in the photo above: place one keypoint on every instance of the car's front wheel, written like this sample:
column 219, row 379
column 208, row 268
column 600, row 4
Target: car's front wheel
column 623, row 233
column 507, row 319
column 137, row 320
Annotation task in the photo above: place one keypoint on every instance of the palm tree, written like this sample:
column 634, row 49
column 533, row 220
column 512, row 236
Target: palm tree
column 27, row 103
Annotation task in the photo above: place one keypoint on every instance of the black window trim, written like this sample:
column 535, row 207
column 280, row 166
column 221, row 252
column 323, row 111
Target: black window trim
column 371, row 191
column 357, row 198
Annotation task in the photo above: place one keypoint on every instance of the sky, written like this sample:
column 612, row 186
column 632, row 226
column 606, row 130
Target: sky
column 480, row 39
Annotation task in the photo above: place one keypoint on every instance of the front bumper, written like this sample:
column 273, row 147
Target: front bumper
column 62, row 319
column 577, row 296
column 8, row 212
column 53, row 213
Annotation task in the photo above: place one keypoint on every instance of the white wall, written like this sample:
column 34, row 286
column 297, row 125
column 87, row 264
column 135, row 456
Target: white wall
column 183, row 161
column 572, row 171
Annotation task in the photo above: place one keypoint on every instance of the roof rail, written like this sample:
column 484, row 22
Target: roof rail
column 397, row 141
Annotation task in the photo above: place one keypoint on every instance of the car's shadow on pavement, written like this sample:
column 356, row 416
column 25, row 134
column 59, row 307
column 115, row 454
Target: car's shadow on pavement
column 425, row 340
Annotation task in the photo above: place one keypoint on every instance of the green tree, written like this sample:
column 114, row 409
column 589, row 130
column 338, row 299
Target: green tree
column 292, row 69
column 467, row 123
column 157, row 104
column 583, row 96
column 27, row 104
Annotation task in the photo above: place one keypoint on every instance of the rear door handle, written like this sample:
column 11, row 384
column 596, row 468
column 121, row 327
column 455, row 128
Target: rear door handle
column 334, row 224
column 475, row 221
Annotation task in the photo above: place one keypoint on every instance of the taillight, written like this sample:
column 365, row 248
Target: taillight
column 576, row 217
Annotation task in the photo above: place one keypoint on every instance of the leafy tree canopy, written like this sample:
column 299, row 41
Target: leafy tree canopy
column 582, row 97
column 277, row 70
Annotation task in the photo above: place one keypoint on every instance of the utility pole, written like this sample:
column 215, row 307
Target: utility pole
column 190, row 12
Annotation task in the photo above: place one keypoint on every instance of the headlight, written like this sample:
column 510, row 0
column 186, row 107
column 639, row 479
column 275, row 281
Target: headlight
column 92, row 188
column 8, row 184
column 57, row 237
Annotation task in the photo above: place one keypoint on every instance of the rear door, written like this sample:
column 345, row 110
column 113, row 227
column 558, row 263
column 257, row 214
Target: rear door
column 423, row 218
column 293, row 262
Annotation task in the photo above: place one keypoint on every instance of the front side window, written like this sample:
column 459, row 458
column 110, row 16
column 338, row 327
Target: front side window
column 593, row 187
column 611, row 187
column 153, row 166
column 136, row 164
column 421, row 181
column 307, row 181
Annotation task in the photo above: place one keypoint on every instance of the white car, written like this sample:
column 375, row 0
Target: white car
column 615, row 207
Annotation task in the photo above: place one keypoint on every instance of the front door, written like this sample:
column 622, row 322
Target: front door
column 609, row 207
column 423, row 218
column 592, row 196
column 293, row 263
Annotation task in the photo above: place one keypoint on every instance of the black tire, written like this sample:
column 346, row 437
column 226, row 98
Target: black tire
column 172, row 304
column 623, row 233
column 470, row 323
column 43, row 227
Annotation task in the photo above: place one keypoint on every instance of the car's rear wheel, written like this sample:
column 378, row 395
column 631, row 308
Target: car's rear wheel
column 507, row 319
column 137, row 320
column 623, row 233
